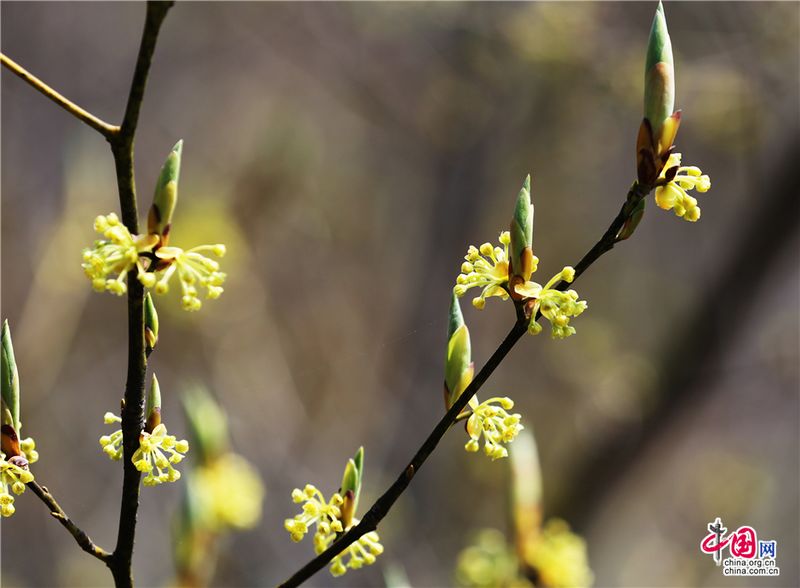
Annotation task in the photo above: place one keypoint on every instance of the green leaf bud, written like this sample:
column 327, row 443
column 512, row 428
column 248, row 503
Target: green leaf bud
column 10, row 377
column 659, row 75
column 526, row 488
column 150, row 323
column 633, row 220
column 153, row 406
column 159, row 219
column 208, row 424
column 459, row 368
column 522, row 234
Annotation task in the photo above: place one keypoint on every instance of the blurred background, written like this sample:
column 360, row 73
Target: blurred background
column 348, row 154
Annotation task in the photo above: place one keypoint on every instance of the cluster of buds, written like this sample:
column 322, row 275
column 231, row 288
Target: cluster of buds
column 334, row 517
column 15, row 454
column 158, row 451
column 505, row 271
column 109, row 261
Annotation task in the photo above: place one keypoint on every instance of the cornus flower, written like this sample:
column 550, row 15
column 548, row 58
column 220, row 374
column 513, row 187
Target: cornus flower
column 109, row 260
column 193, row 269
column 155, row 456
column 14, row 474
column 334, row 517
column 556, row 306
column 316, row 511
column 487, row 267
column 490, row 420
column 674, row 182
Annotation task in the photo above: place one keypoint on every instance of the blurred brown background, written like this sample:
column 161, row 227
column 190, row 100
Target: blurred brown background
column 348, row 154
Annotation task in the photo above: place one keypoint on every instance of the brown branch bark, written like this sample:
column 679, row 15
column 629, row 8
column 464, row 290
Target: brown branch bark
column 58, row 513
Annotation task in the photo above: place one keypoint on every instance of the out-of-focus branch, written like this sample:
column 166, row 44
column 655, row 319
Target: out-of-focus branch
column 58, row 513
column 381, row 507
column 102, row 127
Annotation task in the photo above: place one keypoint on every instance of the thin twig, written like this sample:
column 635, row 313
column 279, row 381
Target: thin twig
column 381, row 508
column 102, row 127
column 122, row 147
column 58, row 513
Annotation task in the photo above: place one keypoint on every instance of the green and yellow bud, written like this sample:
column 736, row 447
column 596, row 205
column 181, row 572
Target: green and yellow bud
column 153, row 406
column 633, row 220
column 659, row 75
column 459, row 368
column 351, row 487
column 159, row 219
column 10, row 377
column 150, row 323
column 208, row 424
column 521, row 258
column 526, row 491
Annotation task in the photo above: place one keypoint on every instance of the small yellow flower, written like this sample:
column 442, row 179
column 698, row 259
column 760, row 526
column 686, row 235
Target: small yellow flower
column 230, row 491
column 556, row 306
column 327, row 518
column 316, row 511
column 673, row 185
column 194, row 270
column 150, row 457
column 14, row 473
column 559, row 557
column 108, row 262
column 490, row 420
column 486, row 267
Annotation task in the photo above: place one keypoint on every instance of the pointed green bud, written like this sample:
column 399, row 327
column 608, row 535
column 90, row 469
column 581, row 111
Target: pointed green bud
column 10, row 377
column 351, row 486
column 458, row 368
column 150, row 323
column 632, row 221
column 153, row 407
column 522, row 234
column 159, row 219
column 208, row 424
column 659, row 75
column 526, row 488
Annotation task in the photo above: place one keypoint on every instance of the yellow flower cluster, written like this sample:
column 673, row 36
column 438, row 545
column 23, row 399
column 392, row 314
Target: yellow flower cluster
column 491, row 420
column 108, row 262
column 673, row 185
column 14, row 474
column 150, row 457
column 326, row 515
column 487, row 267
column 230, row 492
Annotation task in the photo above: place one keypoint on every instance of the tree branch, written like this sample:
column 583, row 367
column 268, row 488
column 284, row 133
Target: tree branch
column 381, row 507
column 122, row 147
column 58, row 513
column 102, row 127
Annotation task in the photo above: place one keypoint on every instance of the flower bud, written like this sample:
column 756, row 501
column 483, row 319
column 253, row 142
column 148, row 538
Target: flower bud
column 153, row 406
column 351, row 487
column 208, row 424
column 159, row 219
column 150, row 323
column 659, row 75
column 633, row 220
column 526, row 490
column 522, row 234
column 10, row 377
column 459, row 368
